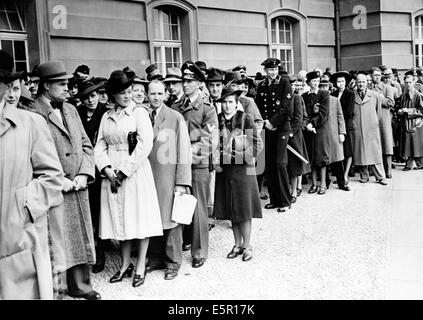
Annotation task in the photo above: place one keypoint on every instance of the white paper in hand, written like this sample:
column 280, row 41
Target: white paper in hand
column 183, row 208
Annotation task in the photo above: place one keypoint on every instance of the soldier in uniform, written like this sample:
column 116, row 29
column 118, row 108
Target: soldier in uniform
column 274, row 102
column 202, row 124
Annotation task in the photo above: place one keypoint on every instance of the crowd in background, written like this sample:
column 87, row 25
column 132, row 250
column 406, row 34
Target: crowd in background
column 86, row 160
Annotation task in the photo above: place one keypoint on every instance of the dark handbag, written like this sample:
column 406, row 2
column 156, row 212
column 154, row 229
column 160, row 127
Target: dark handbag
column 132, row 141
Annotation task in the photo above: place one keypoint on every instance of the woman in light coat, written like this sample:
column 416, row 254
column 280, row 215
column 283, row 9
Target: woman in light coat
column 129, row 206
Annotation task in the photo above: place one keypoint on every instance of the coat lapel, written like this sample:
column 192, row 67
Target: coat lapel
column 48, row 111
column 161, row 118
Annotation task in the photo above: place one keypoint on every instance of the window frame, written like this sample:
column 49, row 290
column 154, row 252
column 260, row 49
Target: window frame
column 278, row 45
column 162, row 43
column 21, row 19
column 9, row 36
column 418, row 40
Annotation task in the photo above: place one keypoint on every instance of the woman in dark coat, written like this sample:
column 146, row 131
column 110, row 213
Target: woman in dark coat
column 237, row 195
column 346, row 97
column 296, row 167
column 317, row 133
column 91, row 112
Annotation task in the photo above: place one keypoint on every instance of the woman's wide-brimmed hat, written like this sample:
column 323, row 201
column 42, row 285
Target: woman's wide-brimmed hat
column 52, row 71
column 85, row 88
column 227, row 91
column 344, row 74
column 118, row 81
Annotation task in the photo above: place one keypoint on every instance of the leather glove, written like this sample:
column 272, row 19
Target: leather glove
column 120, row 175
column 114, row 184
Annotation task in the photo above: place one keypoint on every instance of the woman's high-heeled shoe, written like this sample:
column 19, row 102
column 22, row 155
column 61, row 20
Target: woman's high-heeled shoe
column 138, row 280
column 119, row 276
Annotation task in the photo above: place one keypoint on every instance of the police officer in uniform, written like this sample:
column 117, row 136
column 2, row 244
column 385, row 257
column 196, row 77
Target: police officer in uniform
column 274, row 102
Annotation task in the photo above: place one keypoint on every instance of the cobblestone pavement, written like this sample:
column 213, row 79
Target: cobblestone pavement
column 333, row 246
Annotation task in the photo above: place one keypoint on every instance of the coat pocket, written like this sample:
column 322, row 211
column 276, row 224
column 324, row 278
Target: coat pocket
column 24, row 213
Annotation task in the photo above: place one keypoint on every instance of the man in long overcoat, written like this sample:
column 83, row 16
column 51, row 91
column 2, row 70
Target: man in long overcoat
column 76, row 155
column 367, row 148
column 170, row 161
column 387, row 99
column 31, row 183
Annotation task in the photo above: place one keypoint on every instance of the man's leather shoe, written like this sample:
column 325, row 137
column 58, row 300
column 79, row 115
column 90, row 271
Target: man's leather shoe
column 313, row 189
column 186, row 246
column 383, row 182
column 197, row 263
column 270, row 206
column 235, row 252
column 264, row 196
column 170, row 274
column 344, row 187
column 406, row 169
column 247, row 254
column 418, row 168
column 91, row 295
column 364, row 180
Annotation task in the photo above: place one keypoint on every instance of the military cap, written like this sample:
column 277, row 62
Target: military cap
column 153, row 72
column 234, row 76
column 324, row 82
column 214, row 74
column 271, row 63
column 239, row 68
column 202, row 65
column 412, row 72
column 190, row 71
column 312, row 75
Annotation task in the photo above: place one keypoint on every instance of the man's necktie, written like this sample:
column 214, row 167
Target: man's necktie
column 187, row 102
column 153, row 117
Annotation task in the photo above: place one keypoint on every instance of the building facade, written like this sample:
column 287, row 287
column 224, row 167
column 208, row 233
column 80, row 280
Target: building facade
column 304, row 34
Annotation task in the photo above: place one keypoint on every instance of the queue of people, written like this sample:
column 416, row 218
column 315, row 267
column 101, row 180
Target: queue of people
column 101, row 159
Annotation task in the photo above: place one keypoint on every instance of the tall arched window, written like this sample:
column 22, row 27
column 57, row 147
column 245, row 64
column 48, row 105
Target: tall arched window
column 13, row 36
column 418, row 40
column 167, row 40
column 282, row 45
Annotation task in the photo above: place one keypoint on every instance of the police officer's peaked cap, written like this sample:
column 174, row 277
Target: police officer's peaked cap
column 271, row 63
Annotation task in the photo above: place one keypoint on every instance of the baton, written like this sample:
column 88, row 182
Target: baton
column 295, row 153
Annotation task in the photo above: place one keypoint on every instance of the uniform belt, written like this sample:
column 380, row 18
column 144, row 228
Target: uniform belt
column 118, row 147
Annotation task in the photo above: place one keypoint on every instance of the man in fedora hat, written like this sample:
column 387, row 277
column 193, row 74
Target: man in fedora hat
column 201, row 119
column 274, row 102
column 31, row 183
column 76, row 155
column 173, row 83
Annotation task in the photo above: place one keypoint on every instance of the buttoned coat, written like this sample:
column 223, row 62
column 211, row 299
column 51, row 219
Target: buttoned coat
column 336, row 127
column 31, row 182
column 318, row 144
column 367, row 149
column 411, row 143
column 170, row 159
column 76, row 155
column 296, row 167
column 387, row 102
column 201, row 120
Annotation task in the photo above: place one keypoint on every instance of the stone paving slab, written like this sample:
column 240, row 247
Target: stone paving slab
column 334, row 246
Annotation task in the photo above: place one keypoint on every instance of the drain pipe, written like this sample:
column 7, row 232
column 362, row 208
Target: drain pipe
column 337, row 35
